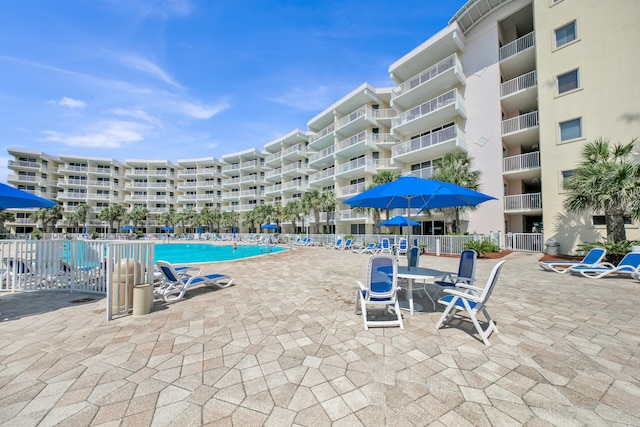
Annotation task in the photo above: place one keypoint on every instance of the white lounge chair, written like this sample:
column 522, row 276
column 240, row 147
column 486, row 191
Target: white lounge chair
column 591, row 259
column 380, row 292
column 472, row 300
column 175, row 285
column 628, row 266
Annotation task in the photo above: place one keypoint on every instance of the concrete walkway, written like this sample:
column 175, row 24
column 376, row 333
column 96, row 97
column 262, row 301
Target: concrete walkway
column 284, row 347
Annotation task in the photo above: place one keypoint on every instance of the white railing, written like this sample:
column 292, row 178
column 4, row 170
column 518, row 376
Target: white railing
column 354, row 115
column 294, row 166
column 298, row 184
column 298, row 148
column 324, row 132
column 73, row 169
column 384, row 163
column 519, row 123
column 272, row 188
column 322, row 174
column 523, row 43
column 426, row 108
column 429, row 74
column 446, row 134
column 355, row 164
column 273, row 172
column 274, row 156
column 522, row 82
column 523, row 242
column 24, row 164
column 230, row 168
column 521, row 161
column 322, row 154
column 348, row 190
column 250, row 178
column 522, row 202
column 187, row 172
column 353, row 214
column 249, row 164
column 423, row 173
column 353, row 140
column 231, row 181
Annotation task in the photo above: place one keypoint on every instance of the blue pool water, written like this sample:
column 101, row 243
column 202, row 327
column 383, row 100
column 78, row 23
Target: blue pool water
column 181, row 253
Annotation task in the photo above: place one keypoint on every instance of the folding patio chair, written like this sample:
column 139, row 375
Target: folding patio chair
column 380, row 294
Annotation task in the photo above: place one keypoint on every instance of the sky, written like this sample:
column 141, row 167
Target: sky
column 181, row 79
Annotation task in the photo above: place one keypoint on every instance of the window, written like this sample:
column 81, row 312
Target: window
column 571, row 129
column 568, row 82
column 565, row 176
column 566, row 34
column 600, row 220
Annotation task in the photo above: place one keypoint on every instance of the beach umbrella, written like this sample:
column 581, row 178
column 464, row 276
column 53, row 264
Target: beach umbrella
column 269, row 226
column 127, row 228
column 410, row 191
column 166, row 228
column 11, row 197
column 398, row 221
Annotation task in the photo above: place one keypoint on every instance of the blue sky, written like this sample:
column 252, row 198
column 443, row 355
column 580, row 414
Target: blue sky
column 176, row 79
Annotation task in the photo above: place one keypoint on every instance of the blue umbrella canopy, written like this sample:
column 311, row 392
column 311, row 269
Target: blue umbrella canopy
column 166, row 228
column 413, row 192
column 269, row 226
column 399, row 220
column 11, row 197
column 127, row 228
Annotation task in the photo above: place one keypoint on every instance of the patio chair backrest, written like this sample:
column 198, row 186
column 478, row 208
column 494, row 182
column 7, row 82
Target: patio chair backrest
column 594, row 256
column 382, row 277
column 467, row 266
column 414, row 256
column 632, row 259
column 385, row 244
column 168, row 271
column 491, row 282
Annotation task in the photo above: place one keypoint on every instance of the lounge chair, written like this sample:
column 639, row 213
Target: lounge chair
column 472, row 300
column 380, row 293
column 175, row 285
column 337, row 244
column 18, row 274
column 402, row 247
column 347, row 244
column 628, row 266
column 365, row 250
column 385, row 247
column 592, row 258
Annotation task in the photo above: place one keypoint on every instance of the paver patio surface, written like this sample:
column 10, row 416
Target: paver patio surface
column 284, row 347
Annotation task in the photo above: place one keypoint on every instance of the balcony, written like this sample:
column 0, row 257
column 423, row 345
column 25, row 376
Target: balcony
column 66, row 168
column 99, row 184
column 101, row 171
column 426, row 173
column 356, row 168
column 441, row 109
column 188, row 172
column 295, row 186
column 322, row 139
column 96, row 196
column 519, row 56
column 132, row 185
column 250, row 166
column 520, row 130
column 323, row 158
column 251, row 179
column 273, row 189
column 21, row 164
column 351, row 190
column 529, row 203
column 355, row 145
column 230, row 182
column 430, row 146
column 294, row 169
column 385, row 164
column 324, row 176
column 273, row 159
column 522, row 166
column 231, row 169
column 428, row 83
column 360, row 118
column 520, row 93
column 295, row 152
column 352, row 214
column 273, row 175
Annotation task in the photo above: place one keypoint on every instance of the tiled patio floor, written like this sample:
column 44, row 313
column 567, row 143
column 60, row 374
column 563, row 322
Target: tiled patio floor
column 284, row 347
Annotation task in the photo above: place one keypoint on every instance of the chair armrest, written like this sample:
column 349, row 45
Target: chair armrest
column 360, row 286
column 469, row 287
column 463, row 295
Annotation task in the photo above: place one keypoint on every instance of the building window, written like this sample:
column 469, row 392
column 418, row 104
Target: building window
column 600, row 220
column 571, row 129
column 568, row 82
column 566, row 34
column 565, row 176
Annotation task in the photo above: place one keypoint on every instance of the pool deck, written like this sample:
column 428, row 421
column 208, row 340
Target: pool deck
column 284, row 347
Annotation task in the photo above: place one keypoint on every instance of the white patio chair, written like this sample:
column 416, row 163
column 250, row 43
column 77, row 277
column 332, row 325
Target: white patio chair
column 380, row 293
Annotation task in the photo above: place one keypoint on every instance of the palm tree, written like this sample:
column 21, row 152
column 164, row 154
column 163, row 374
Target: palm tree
column 169, row 217
column 607, row 180
column 292, row 211
column 230, row 219
column 328, row 204
column 5, row 217
column 455, row 167
column 137, row 216
column 312, row 201
column 249, row 218
column 117, row 213
column 47, row 216
column 206, row 218
column 382, row 177
column 81, row 213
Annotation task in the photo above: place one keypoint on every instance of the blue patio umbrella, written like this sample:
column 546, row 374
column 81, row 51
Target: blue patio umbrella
column 399, row 220
column 11, row 197
column 410, row 191
column 269, row 227
column 167, row 228
column 127, row 228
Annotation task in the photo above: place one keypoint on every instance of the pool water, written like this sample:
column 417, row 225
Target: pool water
column 181, row 253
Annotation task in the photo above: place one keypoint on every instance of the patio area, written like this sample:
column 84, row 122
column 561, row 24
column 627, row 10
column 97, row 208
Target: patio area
column 284, row 347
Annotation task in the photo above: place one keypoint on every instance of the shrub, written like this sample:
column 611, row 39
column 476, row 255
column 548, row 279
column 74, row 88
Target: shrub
column 36, row 234
column 483, row 247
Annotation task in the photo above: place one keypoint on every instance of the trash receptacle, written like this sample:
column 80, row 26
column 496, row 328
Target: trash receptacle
column 553, row 247
column 125, row 274
column 142, row 299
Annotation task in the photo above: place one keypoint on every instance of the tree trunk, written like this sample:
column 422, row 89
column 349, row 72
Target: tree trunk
column 615, row 226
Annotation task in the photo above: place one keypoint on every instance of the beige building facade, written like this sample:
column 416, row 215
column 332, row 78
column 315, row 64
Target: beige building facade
column 519, row 85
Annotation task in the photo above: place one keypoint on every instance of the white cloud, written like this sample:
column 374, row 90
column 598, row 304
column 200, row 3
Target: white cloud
column 201, row 111
column 107, row 134
column 138, row 114
column 305, row 99
column 142, row 64
column 71, row 103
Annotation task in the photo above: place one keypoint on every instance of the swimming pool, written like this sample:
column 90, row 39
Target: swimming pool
column 181, row 253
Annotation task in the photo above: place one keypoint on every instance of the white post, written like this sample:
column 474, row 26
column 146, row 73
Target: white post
column 437, row 247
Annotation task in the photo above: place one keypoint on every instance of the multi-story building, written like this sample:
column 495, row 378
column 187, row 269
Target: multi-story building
column 519, row 85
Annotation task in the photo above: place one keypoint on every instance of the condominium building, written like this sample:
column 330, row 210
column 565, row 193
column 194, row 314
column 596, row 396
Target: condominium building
column 519, row 85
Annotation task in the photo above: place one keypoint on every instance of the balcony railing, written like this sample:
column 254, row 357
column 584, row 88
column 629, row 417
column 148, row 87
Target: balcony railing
column 353, row 214
column 425, row 141
column 523, row 202
column 272, row 157
column 522, row 82
column 426, row 108
column 294, row 166
column 24, row 164
column 519, row 123
column 322, row 133
column 423, row 173
column 523, row 43
column 274, row 172
column 433, row 72
column 298, row 148
column 230, row 168
column 322, row 174
column 355, row 164
column 521, row 161
column 352, row 189
column 322, row 154
column 276, row 187
column 298, row 183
